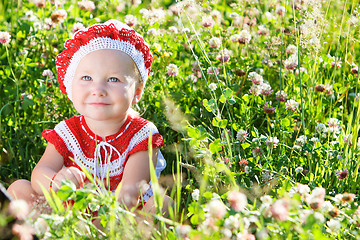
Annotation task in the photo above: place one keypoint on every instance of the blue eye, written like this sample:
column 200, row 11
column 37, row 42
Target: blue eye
column 86, row 78
column 114, row 79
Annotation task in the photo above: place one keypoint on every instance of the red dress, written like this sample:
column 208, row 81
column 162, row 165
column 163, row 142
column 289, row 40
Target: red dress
column 73, row 139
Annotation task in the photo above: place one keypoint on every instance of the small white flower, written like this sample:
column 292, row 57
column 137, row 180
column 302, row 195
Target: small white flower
column 234, row 15
column 291, row 105
column 334, row 226
column 19, row 209
column 247, row 169
column 320, row 127
column 272, row 142
column 213, row 86
column 215, row 42
column 217, row 209
column 299, row 170
column 255, row 78
column 319, row 216
column 327, row 206
column 241, row 135
column 172, row 70
column 152, row 31
column 48, row 73
column 195, row 194
column 291, row 49
column 173, row 29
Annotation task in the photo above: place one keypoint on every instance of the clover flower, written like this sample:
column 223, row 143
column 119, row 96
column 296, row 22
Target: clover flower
column 316, row 198
column 314, row 139
column 216, row 208
column 48, row 73
column 329, row 89
column 272, row 142
column 183, row 231
column 262, row 30
column 130, row 20
column 213, row 86
column 281, row 96
column 255, row 90
column 208, row 21
column 268, row 108
column 5, row 37
column 320, row 88
column 23, row 231
column 255, row 78
column 244, row 36
column 342, row 174
column 58, row 16
column 195, row 194
column 242, row 135
column 235, row 38
column 269, row 16
column 86, row 5
column 224, row 56
column 237, row 200
column 19, row 209
column 77, row 26
column 291, row 105
column 232, row 222
column 333, row 226
column 292, row 62
column 152, row 31
column 215, row 42
column 348, row 140
column 39, row 3
column 266, row 89
column 175, row 8
column 334, row 125
column 243, row 164
column 257, row 152
column 234, row 15
column 216, row 15
column 280, row 209
column 212, row 70
column 354, row 69
column 291, row 49
column 299, row 170
column 247, row 169
column 173, row 29
column 172, row 70
column 280, row 10
column 320, row 127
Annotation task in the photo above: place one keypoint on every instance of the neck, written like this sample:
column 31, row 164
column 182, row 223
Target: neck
column 105, row 128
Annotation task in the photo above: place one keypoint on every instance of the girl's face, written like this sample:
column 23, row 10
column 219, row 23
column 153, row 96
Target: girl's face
column 105, row 85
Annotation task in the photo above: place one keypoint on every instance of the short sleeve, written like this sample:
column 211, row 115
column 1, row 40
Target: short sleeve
column 52, row 137
column 157, row 142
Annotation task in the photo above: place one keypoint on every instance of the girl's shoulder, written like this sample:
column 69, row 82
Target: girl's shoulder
column 140, row 123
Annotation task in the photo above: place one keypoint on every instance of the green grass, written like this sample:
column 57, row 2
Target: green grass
column 199, row 123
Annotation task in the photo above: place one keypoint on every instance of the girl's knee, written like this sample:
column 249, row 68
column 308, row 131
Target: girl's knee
column 21, row 189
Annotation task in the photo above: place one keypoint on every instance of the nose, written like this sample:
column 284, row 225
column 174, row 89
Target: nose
column 98, row 89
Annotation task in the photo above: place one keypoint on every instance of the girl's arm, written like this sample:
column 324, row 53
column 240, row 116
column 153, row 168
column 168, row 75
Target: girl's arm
column 52, row 163
column 137, row 170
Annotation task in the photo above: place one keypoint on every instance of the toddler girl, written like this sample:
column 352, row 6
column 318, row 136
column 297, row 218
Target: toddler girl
column 103, row 71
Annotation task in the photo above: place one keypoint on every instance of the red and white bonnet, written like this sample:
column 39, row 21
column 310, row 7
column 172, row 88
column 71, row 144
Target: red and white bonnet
column 109, row 35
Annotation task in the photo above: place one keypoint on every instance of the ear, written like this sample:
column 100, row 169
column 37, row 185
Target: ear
column 138, row 93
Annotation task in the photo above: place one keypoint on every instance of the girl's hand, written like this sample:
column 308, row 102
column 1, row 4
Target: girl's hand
column 71, row 173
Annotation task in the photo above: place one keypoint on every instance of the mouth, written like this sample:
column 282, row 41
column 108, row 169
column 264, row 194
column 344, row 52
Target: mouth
column 98, row 104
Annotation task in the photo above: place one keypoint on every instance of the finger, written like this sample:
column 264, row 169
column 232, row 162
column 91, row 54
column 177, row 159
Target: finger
column 79, row 175
column 70, row 176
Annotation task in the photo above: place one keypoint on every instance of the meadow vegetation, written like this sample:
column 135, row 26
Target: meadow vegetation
column 257, row 101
